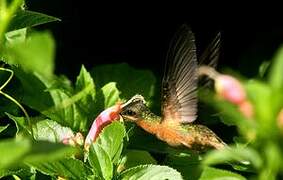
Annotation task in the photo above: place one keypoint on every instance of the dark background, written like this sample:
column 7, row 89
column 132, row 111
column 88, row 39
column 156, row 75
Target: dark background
column 93, row 34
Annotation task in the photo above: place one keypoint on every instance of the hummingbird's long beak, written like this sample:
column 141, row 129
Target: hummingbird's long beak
column 123, row 109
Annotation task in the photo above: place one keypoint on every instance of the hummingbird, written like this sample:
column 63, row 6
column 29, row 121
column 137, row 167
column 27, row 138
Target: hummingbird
column 176, row 124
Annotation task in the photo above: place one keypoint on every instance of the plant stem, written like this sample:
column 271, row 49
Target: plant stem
column 9, row 79
column 14, row 100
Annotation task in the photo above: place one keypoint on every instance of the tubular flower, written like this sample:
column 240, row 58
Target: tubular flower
column 104, row 118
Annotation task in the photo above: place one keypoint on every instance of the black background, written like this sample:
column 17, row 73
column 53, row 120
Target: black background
column 139, row 34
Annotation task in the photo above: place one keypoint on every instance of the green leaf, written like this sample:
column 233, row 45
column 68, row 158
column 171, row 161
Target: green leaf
column 111, row 94
column 17, row 36
column 260, row 94
column 107, row 149
column 275, row 74
column 107, row 96
column 36, row 54
column 129, row 80
column 59, row 82
column 2, row 128
column 56, row 98
column 111, row 139
column 263, row 68
column 13, row 150
column 20, row 122
column 34, row 90
column 187, row 164
column 134, row 158
column 234, row 154
column 42, row 151
column 22, row 171
column 210, row 173
column 24, row 18
column 22, row 150
column 87, row 103
column 65, row 110
column 67, row 168
column 273, row 155
column 100, row 161
column 153, row 172
column 267, row 103
column 49, row 130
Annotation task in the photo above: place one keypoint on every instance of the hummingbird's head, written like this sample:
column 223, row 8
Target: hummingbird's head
column 134, row 109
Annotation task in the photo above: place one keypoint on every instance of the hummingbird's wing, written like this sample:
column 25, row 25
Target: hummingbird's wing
column 211, row 54
column 210, row 58
column 179, row 84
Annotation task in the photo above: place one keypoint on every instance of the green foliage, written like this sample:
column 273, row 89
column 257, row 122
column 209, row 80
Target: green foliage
column 84, row 81
column 260, row 150
column 111, row 140
column 129, row 81
column 67, row 109
column 67, row 168
column 218, row 174
column 34, row 54
column 111, row 94
column 104, row 153
column 35, row 95
column 2, row 128
column 23, row 150
column 275, row 75
column 100, row 161
column 153, row 172
column 243, row 155
column 27, row 19
column 134, row 158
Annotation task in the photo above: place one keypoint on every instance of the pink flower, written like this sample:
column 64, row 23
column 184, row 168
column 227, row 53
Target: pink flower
column 103, row 119
column 230, row 89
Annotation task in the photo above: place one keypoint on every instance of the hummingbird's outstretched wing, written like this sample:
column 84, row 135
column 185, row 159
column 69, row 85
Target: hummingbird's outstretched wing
column 179, row 84
column 211, row 54
column 210, row 58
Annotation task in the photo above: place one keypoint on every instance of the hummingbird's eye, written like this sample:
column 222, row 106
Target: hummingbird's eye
column 130, row 113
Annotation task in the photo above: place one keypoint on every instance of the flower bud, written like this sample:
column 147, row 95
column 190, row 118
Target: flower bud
column 230, row 89
column 77, row 140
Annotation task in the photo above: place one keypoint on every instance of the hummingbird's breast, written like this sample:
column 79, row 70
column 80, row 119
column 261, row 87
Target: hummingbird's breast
column 164, row 132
